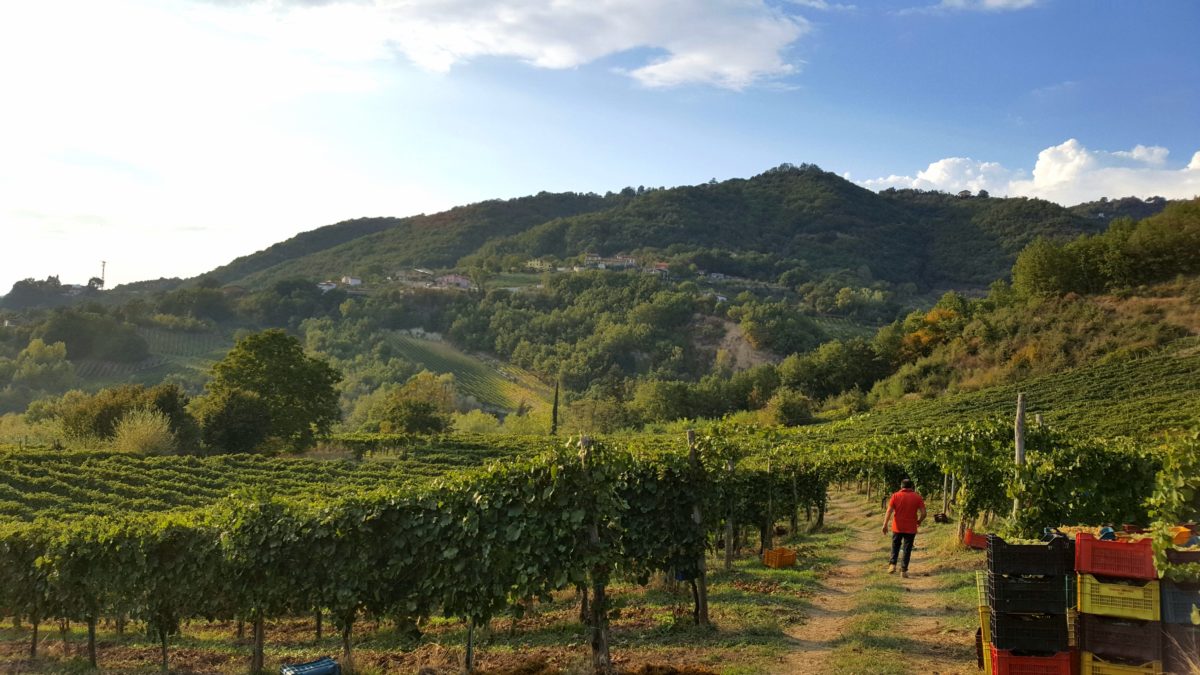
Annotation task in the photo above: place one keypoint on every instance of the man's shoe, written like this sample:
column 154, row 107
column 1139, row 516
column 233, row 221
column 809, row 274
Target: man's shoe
column 891, row 569
column 904, row 574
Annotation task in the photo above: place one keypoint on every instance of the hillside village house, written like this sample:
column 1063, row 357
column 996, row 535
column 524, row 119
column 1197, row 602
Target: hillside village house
column 616, row 263
column 352, row 281
column 455, row 281
column 327, row 286
column 661, row 269
column 540, row 265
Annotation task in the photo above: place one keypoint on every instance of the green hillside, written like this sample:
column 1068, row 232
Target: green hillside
column 492, row 383
column 1122, row 397
column 183, row 355
column 759, row 227
column 377, row 247
column 816, row 219
column 305, row 243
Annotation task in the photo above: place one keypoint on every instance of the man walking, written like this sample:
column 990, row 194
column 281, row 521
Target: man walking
column 909, row 509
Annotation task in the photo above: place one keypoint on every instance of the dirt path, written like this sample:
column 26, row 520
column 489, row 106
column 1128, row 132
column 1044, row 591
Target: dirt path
column 833, row 604
column 929, row 646
column 939, row 648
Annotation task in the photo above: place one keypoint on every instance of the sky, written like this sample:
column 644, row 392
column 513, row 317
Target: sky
column 167, row 137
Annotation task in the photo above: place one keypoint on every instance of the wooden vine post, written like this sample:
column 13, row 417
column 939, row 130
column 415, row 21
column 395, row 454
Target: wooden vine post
column 702, row 563
column 769, row 529
column 729, row 518
column 91, row 630
column 601, row 657
column 470, row 653
column 1019, row 437
column 795, row 504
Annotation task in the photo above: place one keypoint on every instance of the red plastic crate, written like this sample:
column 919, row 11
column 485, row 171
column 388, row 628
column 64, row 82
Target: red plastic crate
column 1005, row 662
column 1124, row 559
column 973, row 540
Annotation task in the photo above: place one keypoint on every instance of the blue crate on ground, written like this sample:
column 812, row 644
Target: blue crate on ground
column 322, row 666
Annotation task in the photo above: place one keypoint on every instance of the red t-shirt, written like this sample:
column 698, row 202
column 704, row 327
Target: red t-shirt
column 906, row 503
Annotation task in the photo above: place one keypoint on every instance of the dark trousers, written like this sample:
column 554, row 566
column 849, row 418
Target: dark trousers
column 899, row 538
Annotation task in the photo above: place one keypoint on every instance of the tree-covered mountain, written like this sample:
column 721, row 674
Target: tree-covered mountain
column 379, row 246
column 790, row 217
column 1106, row 210
column 628, row 348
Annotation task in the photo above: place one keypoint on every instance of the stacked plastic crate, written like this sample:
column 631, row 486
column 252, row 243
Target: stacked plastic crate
column 1119, row 609
column 1181, row 619
column 1028, row 587
column 984, row 636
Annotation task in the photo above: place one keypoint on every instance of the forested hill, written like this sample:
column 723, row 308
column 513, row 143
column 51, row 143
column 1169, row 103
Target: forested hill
column 357, row 247
column 806, row 217
column 785, row 218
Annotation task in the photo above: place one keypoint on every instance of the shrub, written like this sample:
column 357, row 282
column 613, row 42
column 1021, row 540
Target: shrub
column 144, row 431
column 476, row 422
column 409, row 416
column 790, row 408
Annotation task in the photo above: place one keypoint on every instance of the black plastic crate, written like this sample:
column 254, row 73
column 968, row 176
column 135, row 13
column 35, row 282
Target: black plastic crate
column 1030, row 632
column 1177, row 557
column 1181, row 648
column 1180, row 602
column 1124, row 639
column 1027, row 594
column 1054, row 558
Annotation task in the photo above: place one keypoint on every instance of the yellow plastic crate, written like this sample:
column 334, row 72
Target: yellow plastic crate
column 986, row 624
column 1090, row 664
column 1072, row 627
column 981, row 588
column 1123, row 601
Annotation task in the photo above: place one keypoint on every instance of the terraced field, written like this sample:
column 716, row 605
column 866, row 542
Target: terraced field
column 66, row 484
column 491, row 382
column 184, row 345
column 1128, row 397
column 170, row 352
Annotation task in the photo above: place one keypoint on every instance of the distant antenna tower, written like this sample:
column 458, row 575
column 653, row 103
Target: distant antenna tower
column 103, row 265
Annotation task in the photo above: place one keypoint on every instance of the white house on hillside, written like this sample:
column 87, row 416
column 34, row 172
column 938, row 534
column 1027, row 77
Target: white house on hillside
column 455, row 281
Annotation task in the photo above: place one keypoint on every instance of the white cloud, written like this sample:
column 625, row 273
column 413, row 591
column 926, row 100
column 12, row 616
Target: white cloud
column 823, row 5
column 987, row 5
column 1154, row 155
column 156, row 135
column 951, row 174
column 1068, row 173
column 946, row 6
column 724, row 43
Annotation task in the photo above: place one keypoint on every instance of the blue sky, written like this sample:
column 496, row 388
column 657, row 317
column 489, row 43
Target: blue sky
column 169, row 136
